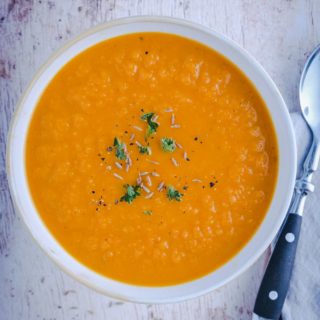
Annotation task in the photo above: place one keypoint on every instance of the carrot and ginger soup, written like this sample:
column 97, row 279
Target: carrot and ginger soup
column 151, row 159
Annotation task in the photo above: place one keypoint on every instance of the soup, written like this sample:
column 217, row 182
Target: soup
column 151, row 159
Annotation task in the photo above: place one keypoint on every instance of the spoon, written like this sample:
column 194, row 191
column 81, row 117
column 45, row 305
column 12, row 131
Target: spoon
column 275, row 283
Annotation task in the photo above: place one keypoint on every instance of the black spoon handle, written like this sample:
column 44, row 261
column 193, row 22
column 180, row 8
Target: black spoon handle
column 274, row 287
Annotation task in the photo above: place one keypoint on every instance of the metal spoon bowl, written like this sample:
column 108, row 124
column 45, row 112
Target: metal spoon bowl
column 309, row 91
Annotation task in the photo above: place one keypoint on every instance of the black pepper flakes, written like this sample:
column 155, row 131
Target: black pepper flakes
column 109, row 149
column 146, row 52
column 211, row 184
column 196, row 138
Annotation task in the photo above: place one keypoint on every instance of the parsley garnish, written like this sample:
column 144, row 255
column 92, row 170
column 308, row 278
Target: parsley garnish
column 168, row 144
column 131, row 193
column 152, row 126
column 144, row 150
column 147, row 212
column 119, row 148
column 174, row 194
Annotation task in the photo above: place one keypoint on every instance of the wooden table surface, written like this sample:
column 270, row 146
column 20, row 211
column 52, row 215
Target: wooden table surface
column 278, row 33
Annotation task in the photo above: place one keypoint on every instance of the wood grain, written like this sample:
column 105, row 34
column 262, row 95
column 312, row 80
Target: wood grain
column 278, row 33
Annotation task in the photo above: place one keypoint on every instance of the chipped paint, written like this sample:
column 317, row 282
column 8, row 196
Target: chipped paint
column 19, row 10
column 4, row 73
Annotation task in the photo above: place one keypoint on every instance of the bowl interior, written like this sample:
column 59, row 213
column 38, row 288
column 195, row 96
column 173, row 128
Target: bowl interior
column 268, row 228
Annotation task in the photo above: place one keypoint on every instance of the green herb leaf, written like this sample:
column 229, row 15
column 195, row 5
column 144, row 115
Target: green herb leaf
column 152, row 126
column 131, row 193
column 119, row 149
column 147, row 212
column 168, row 144
column 147, row 116
column 174, row 194
column 144, row 150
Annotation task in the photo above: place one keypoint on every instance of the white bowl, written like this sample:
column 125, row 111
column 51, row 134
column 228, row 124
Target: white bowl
column 254, row 248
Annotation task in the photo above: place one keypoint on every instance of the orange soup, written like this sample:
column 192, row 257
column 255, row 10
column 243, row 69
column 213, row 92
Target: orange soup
column 152, row 159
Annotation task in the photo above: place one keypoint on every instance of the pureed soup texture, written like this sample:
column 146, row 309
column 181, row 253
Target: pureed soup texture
column 152, row 159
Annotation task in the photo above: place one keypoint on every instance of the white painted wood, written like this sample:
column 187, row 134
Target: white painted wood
column 278, row 33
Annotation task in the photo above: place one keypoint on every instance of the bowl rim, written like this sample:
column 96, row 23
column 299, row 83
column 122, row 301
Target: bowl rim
column 165, row 298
